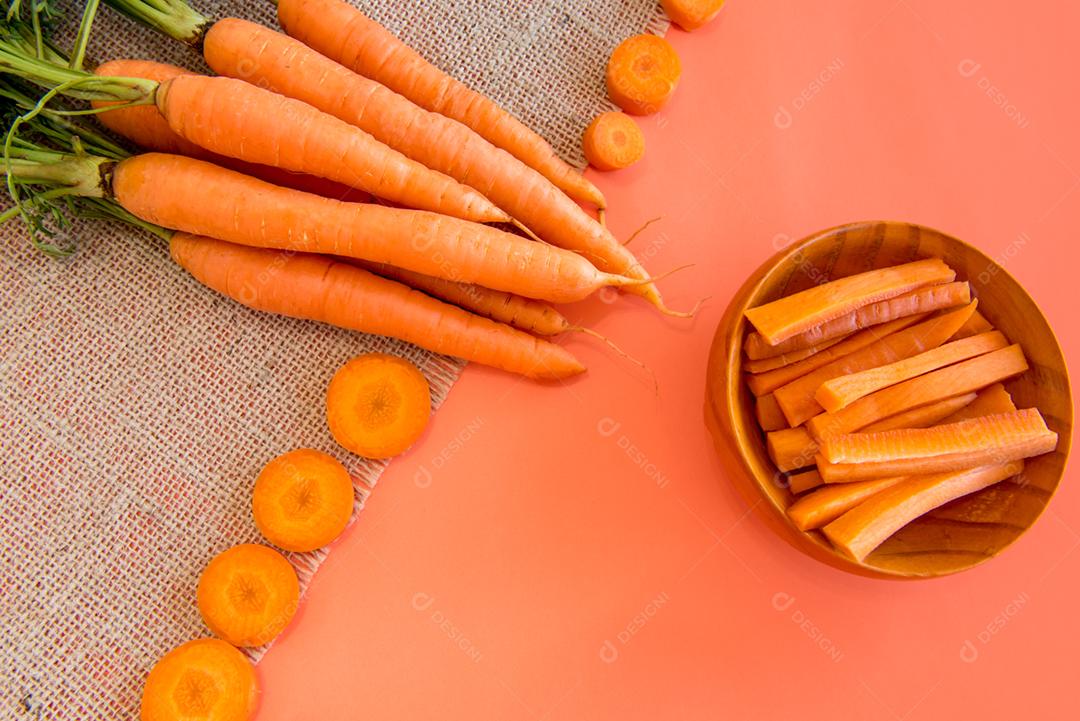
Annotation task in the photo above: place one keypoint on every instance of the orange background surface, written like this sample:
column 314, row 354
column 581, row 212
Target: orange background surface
column 521, row 564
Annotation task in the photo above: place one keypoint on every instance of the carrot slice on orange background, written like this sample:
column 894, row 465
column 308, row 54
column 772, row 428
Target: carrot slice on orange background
column 377, row 405
column 248, row 594
column 692, row 14
column 613, row 141
column 302, row 500
column 202, row 679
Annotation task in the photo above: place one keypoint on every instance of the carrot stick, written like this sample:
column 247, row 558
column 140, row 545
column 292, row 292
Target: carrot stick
column 642, row 74
column 787, row 317
column 145, row 126
column 829, row 503
column 797, row 398
column 234, row 118
column 989, row 401
column 862, row 529
column 803, row 482
column 319, row 288
column 964, row 377
column 769, row 415
column 613, row 141
column 987, row 440
column 341, row 32
column 251, row 52
column 925, row 416
column 923, row 300
column 158, row 188
column 769, row 381
column 791, row 448
column 841, row 392
column 786, row 359
column 976, row 325
column 796, row 448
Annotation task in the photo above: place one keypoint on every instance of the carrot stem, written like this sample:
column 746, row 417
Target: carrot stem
column 175, row 18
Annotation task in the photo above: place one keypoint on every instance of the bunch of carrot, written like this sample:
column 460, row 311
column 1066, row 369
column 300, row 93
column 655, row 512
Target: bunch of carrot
column 881, row 396
column 266, row 167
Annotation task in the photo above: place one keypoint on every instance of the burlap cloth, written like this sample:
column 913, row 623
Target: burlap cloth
column 138, row 407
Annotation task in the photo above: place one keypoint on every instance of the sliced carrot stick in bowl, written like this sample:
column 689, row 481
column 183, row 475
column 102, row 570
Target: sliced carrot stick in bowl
column 797, row 400
column 838, row 393
column 643, row 73
column 862, row 529
column 804, row 481
column 987, row 440
column 925, row 416
column 769, row 414
column 963, row 377
column 787, row 317
column 827, row 504
column 922, row 300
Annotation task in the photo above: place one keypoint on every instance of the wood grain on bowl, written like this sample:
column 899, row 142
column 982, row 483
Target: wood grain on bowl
column 962, row 533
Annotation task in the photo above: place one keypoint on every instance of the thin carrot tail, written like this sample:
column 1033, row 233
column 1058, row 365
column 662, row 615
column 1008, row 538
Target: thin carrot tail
column 619, row 351
column 638, row 232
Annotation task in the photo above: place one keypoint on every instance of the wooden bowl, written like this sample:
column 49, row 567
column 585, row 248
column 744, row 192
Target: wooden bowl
column 967, row 531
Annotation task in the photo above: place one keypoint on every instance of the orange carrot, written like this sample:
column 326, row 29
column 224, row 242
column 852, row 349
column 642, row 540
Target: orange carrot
column 248, row 594
column 970, row 375
column 341, row 32
column 785, row 359
column 976, row 325
column 145, row 126
column 234, row 118
column 797, row 398
column 791, row 448
column 642, row 74
column 302, row 500
column 531, row 316
column 613, row 141
column 322, row 289
column 923, row 300
column 158, row 188
column 841, row 392
column 925, row 416
column 768, row 413
column 989, row 401
column 787, row 317
column 769, row 381
column 803, row 482
column 865, row 527
column 796, row 448
column 987, row 440
column 691, row 14
column 257, row 54
column 829, row 503
column 378, row 405
column 201, row 679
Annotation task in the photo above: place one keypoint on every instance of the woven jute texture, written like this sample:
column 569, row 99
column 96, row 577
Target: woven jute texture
column 138, row 407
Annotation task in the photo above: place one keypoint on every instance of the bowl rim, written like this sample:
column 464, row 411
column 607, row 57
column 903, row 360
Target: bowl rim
column 736, row 435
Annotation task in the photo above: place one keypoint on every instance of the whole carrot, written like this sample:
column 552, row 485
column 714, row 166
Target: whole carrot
column 201, row 198
column 341, row 32
column 145, row 126
column 251, row 52
column 239, row 120
column 319, row 288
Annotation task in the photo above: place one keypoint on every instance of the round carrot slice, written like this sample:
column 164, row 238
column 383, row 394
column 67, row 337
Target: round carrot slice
column 248, row 594
column 691, row 14
column 202, row 679
column 642, row 74
column 613, row 141
column 377, row 405
column 302, row 500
